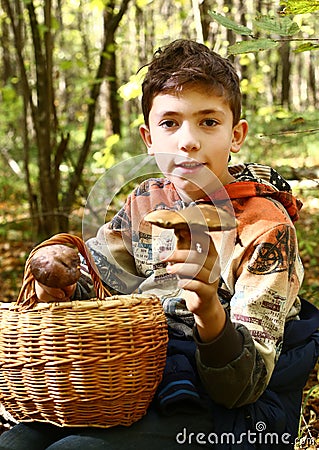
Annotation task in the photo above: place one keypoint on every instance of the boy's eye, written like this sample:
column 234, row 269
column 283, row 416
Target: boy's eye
column 168, row 123
column 209, row 122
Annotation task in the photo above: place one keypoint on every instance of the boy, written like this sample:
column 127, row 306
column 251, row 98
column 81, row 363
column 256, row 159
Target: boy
column 242, row 343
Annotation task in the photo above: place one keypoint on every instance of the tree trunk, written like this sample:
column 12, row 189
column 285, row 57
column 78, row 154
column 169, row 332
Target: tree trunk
column 312, row 81
column 114, row 107
column 7, row 70
column 230, row 35
column 243, row 68
column 45, row 122
column 285, row 74
column 197, row 20
column 205, row 7
column 51, row 143
column 38, row 115
column 111, row 23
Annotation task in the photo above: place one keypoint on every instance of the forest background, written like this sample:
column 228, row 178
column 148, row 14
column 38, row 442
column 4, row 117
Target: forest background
column 69, row 106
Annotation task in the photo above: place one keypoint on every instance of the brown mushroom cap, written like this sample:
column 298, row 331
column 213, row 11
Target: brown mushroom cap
column 56, row 265
column 203, row 215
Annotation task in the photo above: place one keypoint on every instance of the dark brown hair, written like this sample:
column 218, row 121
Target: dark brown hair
column 188, row 62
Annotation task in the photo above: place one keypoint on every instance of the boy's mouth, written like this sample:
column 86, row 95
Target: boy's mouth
column 187, row 166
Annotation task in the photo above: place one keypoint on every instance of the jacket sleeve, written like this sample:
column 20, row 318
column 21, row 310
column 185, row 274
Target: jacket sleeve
column 265, row 296
column 113, row 258
column 112, row 252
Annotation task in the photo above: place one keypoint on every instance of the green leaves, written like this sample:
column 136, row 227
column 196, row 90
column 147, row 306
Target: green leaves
column 133, row 88
column 300, row 6
column 252, row 46
column 278, row 29
column 230, row 24
column 306, row 47
column 282, row 26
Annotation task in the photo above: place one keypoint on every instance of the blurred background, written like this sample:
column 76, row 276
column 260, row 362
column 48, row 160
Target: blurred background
column 70, row 105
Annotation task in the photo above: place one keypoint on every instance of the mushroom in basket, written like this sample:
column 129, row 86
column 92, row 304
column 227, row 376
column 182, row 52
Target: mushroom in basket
column 56, row 265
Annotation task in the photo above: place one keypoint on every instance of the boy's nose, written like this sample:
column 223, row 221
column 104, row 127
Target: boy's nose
column 188, row 140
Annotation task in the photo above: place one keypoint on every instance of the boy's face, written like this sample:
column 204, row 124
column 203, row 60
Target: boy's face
column 191, row 135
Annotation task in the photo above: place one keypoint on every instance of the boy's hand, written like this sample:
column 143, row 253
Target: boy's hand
column 49, row 294
column 198, row 271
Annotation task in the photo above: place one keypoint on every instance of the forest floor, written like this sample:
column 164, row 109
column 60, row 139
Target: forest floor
column 15, row 246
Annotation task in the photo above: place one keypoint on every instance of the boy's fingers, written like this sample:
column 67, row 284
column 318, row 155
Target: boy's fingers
column 46, row 293
column 200, row 251
column 186, row 256
column 192, row 258
column 195, row 271
column 203, row 291
column 69, row 290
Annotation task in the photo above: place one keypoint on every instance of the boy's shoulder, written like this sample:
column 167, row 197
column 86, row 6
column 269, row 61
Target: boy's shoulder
column 255, row 211
column 261, row 192
column 260, row 173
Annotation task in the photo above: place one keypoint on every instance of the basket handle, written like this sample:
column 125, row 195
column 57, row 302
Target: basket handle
column 27, row 298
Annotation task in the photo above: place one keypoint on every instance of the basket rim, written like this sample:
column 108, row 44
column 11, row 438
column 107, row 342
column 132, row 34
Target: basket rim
column 92, row 303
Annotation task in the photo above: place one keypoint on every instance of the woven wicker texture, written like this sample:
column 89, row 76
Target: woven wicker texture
column 80, row 363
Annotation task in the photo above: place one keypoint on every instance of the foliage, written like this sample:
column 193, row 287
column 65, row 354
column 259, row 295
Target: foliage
column 300, row 6
column 277, row 136
column 282, row 26
column 48, row 55
column 308, row 238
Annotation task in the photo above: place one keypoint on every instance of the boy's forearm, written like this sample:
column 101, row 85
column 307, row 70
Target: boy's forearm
column 210, row 325
column 231, row 369
column 221, row 350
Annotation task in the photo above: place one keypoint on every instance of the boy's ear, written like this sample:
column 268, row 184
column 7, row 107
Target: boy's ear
column 146, row 136
column 240, row 131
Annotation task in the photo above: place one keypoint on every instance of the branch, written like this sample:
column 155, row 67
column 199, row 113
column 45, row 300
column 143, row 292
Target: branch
column 290, row 132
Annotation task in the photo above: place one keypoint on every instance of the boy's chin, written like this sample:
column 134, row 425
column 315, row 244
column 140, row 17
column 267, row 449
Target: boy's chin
column 188, row 190
column 192, row 190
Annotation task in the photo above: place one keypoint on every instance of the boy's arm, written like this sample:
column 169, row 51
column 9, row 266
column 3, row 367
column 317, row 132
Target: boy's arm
column 114, row 261
column 236, row 366
column 231, row 369
column 112, row 255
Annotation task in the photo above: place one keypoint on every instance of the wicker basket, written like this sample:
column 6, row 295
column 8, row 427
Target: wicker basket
column 80, row 363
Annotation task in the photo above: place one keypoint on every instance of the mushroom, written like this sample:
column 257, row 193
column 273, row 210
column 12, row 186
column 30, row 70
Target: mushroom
column 193, row 219
column 56, row 265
